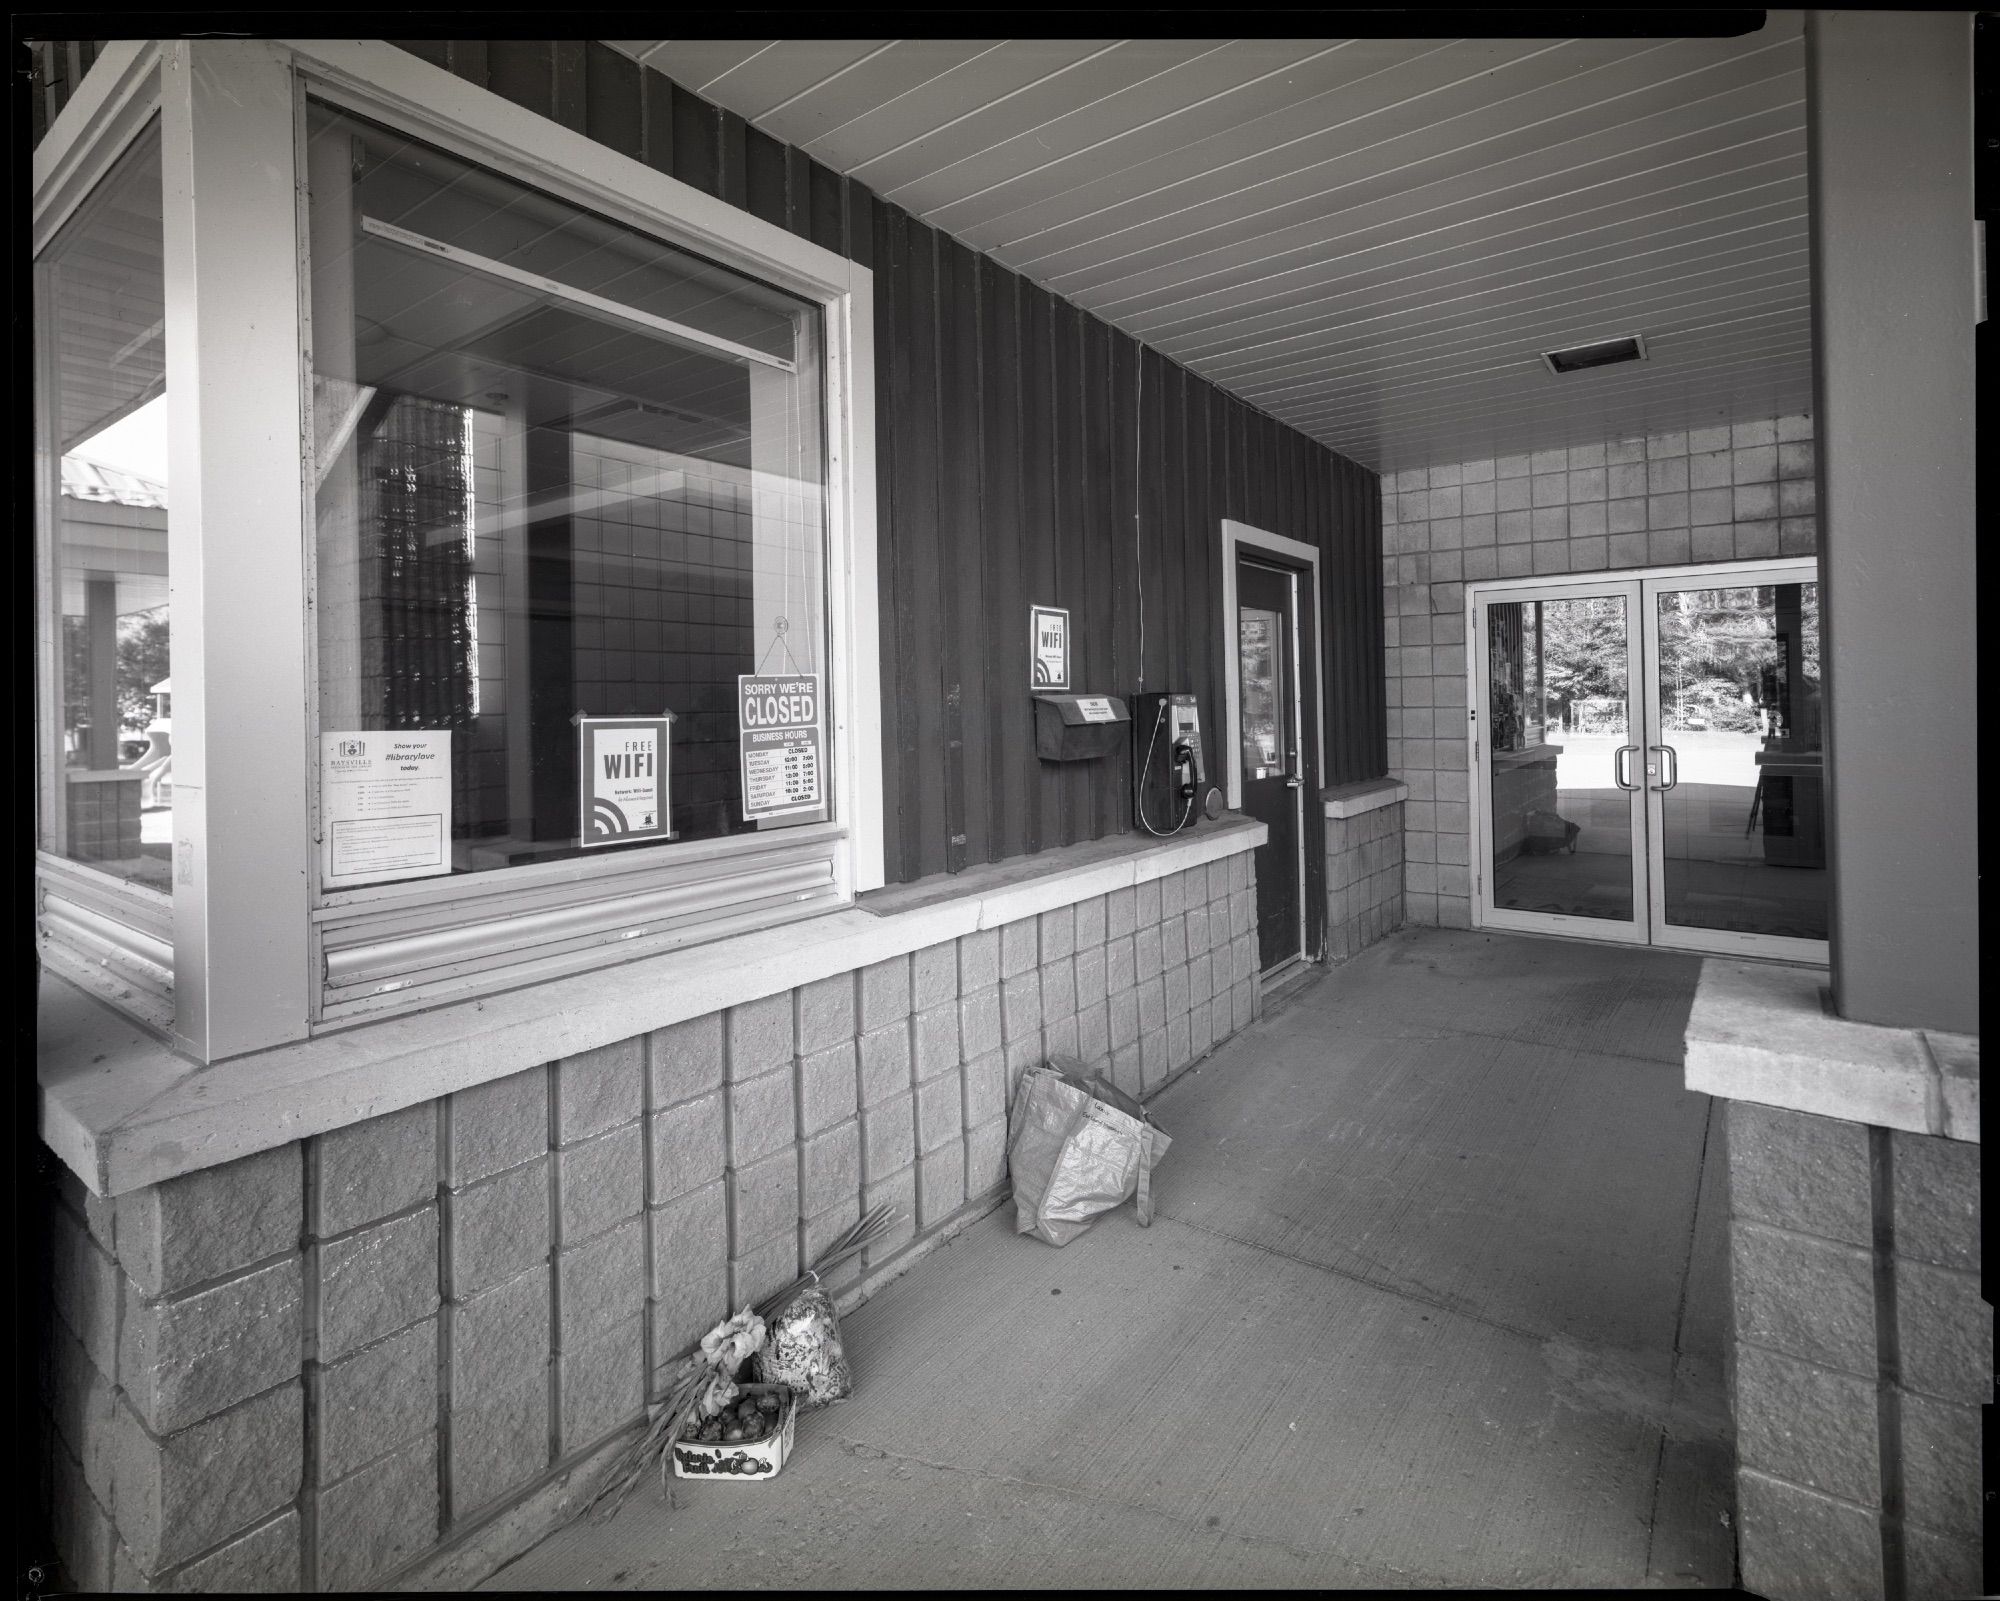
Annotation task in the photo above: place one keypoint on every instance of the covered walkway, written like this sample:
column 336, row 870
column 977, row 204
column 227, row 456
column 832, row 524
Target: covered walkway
column 1434, row 1297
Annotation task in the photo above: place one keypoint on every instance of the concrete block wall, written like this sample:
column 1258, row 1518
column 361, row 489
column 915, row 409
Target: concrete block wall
column 172, row 1378
column 1364, row 879
column 307, row 1368
column 104, row 818
column 1861, row 1356
column 1733, row 493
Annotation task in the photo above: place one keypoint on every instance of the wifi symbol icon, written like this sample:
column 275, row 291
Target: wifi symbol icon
column 606, row 820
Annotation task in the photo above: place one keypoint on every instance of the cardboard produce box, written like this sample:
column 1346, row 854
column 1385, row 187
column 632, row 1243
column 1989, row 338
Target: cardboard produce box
column 739, row 1459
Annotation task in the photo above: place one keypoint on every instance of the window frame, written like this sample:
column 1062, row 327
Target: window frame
column 112, row 935
column 391, row 87
column 236, row 960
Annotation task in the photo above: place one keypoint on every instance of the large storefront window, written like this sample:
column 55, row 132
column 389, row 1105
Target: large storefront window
column 107, row 778
column 564, row 471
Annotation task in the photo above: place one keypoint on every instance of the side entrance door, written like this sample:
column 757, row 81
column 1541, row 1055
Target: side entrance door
column 1272, row 750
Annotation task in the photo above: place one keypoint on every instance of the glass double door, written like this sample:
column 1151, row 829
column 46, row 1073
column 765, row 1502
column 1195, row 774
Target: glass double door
column 1648, row 760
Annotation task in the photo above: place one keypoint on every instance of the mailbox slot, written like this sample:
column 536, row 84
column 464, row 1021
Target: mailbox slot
column 1079, row 728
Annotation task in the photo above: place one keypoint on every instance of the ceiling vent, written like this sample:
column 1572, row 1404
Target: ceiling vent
column 1606, row 354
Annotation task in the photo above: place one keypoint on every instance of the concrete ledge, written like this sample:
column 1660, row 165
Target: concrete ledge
column 1025, row 885
column 1370, row 795
column 124, row 1110
column 1759, row 1032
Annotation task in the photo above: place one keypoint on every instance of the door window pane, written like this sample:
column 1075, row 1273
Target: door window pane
column 107, row 780
column 563, row 468
column 1260, row 636
column 1557, row 675
column 1744, row 835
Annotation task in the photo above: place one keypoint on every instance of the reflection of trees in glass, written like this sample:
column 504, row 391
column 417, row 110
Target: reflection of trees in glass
column 1503, row 673
column 1809, row 610
column 1723, row 663
column 1259, row 664
column 76, row 675
column 1713, row 703
column 1715, row 647
column 1583, row 655
column 1804, row 711
column 1506, row 718
column 142, row 662
column 1514, row 686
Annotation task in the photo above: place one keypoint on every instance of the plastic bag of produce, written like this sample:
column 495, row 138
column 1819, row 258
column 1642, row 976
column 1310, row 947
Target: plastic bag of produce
column 1076, row 1148
column 802, row 1349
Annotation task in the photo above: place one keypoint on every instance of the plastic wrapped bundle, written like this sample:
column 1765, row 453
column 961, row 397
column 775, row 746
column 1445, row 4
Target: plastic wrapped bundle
column 802, row 1348
column 1077, row 1148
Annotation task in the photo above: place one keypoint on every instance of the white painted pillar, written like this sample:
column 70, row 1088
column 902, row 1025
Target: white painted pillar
column 237, row 538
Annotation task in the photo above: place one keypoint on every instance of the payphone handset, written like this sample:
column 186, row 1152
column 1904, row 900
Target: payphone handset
column 1170, row 771
column 1185, row 745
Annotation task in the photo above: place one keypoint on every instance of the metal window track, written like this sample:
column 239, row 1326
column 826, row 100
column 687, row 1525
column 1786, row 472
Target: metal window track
column 583, row 299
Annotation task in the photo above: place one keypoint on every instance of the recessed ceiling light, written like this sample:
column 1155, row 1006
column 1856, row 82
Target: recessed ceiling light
column 1606, row 353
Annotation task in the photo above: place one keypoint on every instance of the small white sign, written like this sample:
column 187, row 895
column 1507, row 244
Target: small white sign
column 1048, row 646
column 1095, row 709
column 778, row 722
column 625, row 762
column 384, row 805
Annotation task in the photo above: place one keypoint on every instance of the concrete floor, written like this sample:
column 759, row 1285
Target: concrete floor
column 1434, row 1297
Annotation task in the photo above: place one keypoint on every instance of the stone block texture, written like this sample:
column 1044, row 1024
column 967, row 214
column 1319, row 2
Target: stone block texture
column 211, row 1223
column 309, row 1368
column 1860, row 1355
column 1731, row 493
column 1364, row 880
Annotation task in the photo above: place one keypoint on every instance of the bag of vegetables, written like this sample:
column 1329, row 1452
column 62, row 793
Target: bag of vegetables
column 1076, row 1148
column 802, row 1349
column 704, row 1394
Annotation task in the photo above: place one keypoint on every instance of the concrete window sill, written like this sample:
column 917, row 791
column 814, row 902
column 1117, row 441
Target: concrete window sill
column 122, row 1109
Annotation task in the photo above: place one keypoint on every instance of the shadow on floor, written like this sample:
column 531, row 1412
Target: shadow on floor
column 1434, row 1297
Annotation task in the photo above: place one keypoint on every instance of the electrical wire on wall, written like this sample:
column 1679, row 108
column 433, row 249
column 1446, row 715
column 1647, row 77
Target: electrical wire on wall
column 1140, row 769
column 1138, row 455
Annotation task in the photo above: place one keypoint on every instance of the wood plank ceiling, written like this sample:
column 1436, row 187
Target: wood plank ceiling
column 1371, row 239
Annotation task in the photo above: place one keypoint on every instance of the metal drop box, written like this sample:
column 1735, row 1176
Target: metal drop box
column 1078, row 728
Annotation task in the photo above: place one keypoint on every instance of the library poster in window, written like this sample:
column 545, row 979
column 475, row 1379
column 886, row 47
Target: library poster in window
column 385, row 805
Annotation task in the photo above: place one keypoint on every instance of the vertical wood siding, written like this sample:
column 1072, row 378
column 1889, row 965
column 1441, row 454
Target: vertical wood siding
column 55, row 68
column 1027, row 453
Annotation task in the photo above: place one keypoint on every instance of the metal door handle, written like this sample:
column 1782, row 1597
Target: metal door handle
column 1291, row 783
column 1673, row 765
column 1618, row 759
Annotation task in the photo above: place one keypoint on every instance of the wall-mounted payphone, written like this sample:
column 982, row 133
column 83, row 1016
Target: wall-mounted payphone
column 1168, row 771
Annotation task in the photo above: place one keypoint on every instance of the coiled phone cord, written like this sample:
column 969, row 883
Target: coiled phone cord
column 1139, row 784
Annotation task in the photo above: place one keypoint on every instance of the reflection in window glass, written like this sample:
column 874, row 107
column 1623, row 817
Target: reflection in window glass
column 1744, row 836
column 1258, row 633
column 562, row 468
column 1557, row 680
column 1514, row 648
column 107, row 781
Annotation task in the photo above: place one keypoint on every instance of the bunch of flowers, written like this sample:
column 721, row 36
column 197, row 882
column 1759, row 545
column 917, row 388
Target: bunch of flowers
column 706, row 1382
